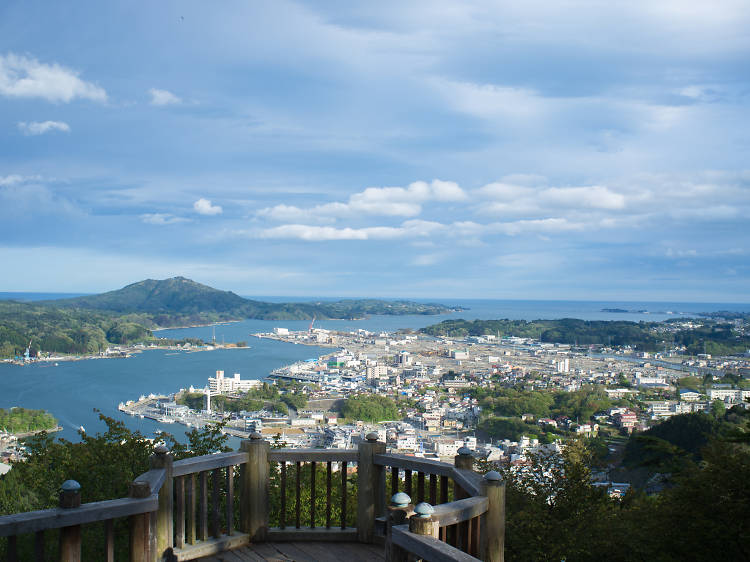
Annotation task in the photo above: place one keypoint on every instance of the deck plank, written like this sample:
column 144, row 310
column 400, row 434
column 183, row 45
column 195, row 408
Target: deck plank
column 301, row 551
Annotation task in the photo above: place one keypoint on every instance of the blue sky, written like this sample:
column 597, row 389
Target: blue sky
column 566, row 150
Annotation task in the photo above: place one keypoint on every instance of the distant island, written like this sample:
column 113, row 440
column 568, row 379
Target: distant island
column 90, row 324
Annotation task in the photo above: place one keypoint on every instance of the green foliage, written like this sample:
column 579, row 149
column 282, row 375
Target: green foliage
column 671, row 442
column 554, row 512
column 21, row 420
column 506, row 428
column 55, row 330
column 370, row 408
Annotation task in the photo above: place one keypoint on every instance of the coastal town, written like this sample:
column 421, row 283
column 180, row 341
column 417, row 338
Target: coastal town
column 436, row 383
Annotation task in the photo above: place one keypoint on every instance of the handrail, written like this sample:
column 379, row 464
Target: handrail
column 57, row 517
column 155, row 479
column 469, row 480
column 426, row 547
column 461, row 510
column 208, row 462
column 313, row 455
column 414, row 463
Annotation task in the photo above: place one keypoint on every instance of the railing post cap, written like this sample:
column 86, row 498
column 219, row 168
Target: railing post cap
column 464, row 451
column 423, row 510
column 493, row 476
column 400, row 499
column 256, row 436
column 161, row 449
column 372, row 436
column 70, row 486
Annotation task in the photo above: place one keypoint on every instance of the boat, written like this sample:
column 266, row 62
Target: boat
column 82, row 429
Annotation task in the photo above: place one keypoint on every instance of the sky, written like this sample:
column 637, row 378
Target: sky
column 515, row 150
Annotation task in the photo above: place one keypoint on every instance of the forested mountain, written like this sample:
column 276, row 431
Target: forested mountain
column 180, row 301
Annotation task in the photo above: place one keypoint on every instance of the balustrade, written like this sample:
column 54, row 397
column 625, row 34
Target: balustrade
column 204, row 505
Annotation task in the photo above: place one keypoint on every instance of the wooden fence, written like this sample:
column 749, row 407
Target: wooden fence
column 205, row 505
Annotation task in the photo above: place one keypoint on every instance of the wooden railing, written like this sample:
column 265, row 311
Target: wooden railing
column 190, row 508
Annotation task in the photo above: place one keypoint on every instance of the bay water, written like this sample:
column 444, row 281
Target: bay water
column 71, row 390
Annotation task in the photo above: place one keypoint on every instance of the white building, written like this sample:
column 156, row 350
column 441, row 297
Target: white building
column 221, row 384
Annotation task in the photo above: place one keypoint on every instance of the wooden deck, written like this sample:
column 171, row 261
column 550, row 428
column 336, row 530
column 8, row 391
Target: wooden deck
column 301, row 552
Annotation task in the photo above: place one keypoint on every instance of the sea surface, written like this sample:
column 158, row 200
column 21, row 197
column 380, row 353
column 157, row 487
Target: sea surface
column 73, row 389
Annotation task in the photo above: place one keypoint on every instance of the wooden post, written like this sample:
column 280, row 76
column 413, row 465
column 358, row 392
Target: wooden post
column 70, row 537
column 254, row 492
column 140, row 526
column 163, row 459
column 422, row 522
column 492, row 531
column 369, row 505
column 398, row 512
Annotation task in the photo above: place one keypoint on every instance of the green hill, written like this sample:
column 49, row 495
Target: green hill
column 180, row 301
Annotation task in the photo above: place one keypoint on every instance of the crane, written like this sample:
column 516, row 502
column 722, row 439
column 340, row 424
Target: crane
column 27, row 355
column 309, row 329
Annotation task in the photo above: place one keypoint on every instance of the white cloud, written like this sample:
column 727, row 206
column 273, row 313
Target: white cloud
column 204, row 207
column 409, row 229
column 383, row 201
column 40, row 127
column 23, row 77
column 163, row 97
column 161, row 219
column 15, row 179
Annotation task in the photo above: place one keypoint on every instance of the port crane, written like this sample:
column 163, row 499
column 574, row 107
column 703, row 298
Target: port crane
column 27, row 355
column 310, row 327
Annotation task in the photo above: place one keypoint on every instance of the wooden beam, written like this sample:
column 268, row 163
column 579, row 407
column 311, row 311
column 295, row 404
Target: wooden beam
column 428, row 548
column 208, row 462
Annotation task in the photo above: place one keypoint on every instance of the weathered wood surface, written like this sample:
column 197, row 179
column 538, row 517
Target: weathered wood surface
column 429, row 548
column 213, row 546
column 302, row 552
column 208, row 462
column 310, row 455
column 469, row 480
column 460, row 510
column 55, row 518
column 414, row 464
column 316, row 534
column 155, row 479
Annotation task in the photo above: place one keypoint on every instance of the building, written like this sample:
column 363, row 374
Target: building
column 221, row 384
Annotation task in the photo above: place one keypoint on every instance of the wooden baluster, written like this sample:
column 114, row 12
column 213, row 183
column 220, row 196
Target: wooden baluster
column 444, row 499
column 328, row 495
column 474, row 549
column 420, row 487
column 70, row 537
column 163, row 459
column 12, row 555
column 407, row 483
column 109, row 541
column 282, row 520
column 230, row 500
column 12, row 548
column 370, row 480
column 39, row 545
column 492, row 534
column 215, row 526
column 203, row 528
column 179, row 515
column 312, row 495
column 190, row 500
column 463, row 536
column 433, row 489
column 298, row 486
column 394, row 480
column 140, row 525
column 343, row 495
column 255, row 488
